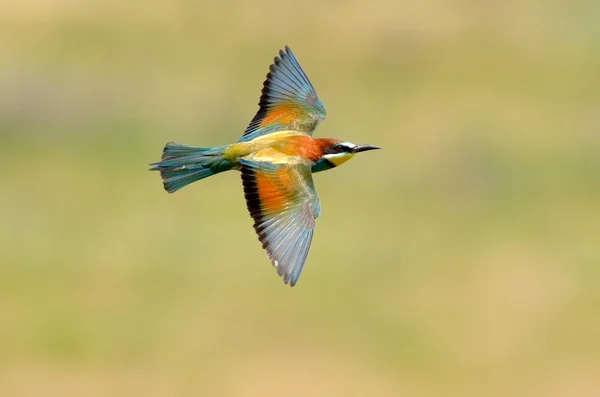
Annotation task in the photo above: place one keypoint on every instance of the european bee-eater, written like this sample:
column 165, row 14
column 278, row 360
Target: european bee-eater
column 276, row 156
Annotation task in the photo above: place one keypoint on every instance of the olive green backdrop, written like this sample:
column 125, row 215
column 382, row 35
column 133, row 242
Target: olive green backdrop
column 461, row 260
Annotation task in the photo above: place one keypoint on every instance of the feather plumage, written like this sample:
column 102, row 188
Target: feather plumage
column 276, row 156
column 288, row 100
column 284, row 205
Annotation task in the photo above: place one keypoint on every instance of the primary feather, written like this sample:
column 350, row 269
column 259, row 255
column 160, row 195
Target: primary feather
column 288, row 100
column 284, row 205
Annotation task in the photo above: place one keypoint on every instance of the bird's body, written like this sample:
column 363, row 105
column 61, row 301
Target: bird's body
column 283, row 147
column 276, row 156
column 278, row 147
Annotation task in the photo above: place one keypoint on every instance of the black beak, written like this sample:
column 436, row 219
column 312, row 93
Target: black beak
column 364, row 148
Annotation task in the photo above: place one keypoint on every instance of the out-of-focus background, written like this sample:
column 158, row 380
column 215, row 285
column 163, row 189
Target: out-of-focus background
column 461, row 260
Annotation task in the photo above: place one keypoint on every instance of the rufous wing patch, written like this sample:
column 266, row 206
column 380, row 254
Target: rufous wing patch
column 284, row 205
column 288, row 100
column 283, row 114
column 271, row 194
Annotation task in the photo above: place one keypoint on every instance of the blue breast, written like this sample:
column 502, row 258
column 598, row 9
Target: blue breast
column 321, row 165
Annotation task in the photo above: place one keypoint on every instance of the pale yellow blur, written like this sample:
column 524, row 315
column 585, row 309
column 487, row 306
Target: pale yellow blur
column 462, row 260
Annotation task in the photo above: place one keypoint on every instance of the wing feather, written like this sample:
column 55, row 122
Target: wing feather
column 288, row 100
column 284, row 205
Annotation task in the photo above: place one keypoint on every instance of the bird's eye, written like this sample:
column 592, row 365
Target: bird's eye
column 334, row 149
column 338, row 149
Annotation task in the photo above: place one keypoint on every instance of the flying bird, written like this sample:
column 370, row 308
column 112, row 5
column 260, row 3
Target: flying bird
column 277, row 156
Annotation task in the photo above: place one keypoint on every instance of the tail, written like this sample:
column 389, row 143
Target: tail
column 181, row 164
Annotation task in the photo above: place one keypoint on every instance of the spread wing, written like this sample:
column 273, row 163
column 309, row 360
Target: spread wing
column 288, row 100
column 283, row 202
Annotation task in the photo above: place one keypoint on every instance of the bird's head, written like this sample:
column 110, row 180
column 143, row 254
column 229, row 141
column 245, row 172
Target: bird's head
column 337, row 153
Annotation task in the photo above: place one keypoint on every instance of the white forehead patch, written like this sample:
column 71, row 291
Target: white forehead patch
column 347, row 144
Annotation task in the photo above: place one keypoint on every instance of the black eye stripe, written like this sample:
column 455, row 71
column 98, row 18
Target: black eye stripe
column 336, row 149
column 339, row 148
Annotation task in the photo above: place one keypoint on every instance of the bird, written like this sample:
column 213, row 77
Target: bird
column 276, row 156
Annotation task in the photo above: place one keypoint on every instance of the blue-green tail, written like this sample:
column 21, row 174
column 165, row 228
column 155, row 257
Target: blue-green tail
column 181, row 164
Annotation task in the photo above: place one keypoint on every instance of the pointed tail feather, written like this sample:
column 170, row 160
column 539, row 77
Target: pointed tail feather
column 175, row 180
column 182, row 164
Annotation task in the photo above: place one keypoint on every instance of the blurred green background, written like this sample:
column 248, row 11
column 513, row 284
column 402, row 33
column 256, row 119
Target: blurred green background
column 461, row 260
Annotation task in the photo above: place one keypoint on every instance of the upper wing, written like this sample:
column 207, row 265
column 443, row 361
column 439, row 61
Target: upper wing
column 284, row 205
column 288, row 100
